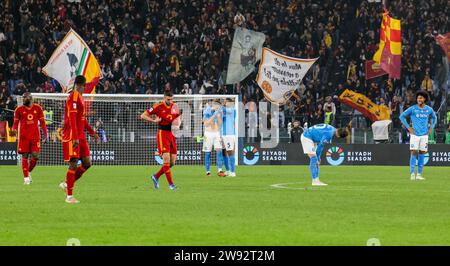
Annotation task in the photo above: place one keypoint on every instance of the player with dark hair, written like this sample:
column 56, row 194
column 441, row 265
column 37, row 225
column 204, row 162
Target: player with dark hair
column 27, row 118
column 164, row 113
column 313, row 140
column 420, row 115
column 75, row 145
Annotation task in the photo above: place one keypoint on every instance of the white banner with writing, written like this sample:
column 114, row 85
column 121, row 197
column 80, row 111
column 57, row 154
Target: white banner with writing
column 279, row 75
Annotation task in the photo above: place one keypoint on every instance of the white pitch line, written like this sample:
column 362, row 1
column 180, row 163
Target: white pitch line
column 284, row 186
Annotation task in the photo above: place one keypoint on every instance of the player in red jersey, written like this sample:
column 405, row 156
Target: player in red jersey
column 166, row 113
column 27, row 116
column 75, row 145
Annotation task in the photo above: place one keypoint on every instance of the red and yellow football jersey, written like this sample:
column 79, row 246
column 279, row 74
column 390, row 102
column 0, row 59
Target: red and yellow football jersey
column 27, row 119
column 165, row 112
column 75, row 118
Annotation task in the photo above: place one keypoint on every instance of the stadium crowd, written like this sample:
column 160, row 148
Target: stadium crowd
column 145, row 47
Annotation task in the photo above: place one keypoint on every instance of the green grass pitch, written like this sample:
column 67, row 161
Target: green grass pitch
column 264, row 205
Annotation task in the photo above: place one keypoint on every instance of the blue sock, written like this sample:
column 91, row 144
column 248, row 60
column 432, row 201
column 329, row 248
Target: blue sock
column 208, row 161
column 219, row 159
column 317, row 171
column 412, row 163
column 313, row 167
column 420, row 163
column 232, row 162
column 226, row 161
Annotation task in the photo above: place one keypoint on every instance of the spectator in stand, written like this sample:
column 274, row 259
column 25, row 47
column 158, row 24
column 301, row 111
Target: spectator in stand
column 296, row 132
column 329, row 116
column 395, row 107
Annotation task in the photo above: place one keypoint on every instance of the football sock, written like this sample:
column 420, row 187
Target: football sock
column 33, row 163
column 317, row 171
column 226, row 161
column 70, row 180
column 412, row 163
column 219, row 159
column 168, row 174
column 208, row 161
column 79, row 172
column 160, row 172
column 232, row 162
column 420, row 163
column 25, row 166
column 313, row 167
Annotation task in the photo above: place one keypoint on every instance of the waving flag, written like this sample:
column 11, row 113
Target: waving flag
column 245, row 52
column 373, row 70
column 389, row 54
column 444, row 41
column 279, row 75
column 72, row 58
column 363, row 104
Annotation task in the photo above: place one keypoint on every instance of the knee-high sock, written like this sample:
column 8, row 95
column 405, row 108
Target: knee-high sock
column 167, row 172
column 33, row 163
column 313, row 167
column 317, row 170
column 412, row 163
column 219, row 159
column 160, row 172
column 232, row 162
column 25, row 166
column 79, row 172
column 420, row 162
column 208, row 161
column 70, row 180
column 226, row 161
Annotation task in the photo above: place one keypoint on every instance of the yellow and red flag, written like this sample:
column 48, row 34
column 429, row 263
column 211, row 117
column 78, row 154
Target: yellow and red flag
column 389, row 54
column 369, row 109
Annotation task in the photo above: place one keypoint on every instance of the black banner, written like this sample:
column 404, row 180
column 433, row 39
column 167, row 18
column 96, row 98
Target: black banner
column 342, row 154
column 144, row 153
column 8, row 153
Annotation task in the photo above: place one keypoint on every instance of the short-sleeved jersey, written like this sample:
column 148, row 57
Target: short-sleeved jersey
column 163, row 111
column 419, row 118
column 321, row 133
column 26, row 120
column 229, row 121
column 208, row 113
column 74, row 117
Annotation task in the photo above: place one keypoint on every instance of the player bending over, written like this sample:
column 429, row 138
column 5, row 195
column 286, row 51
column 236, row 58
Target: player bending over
column 166, row 112
column 29, row 116
column 421, row 128
column 75, row 145
column 212, row 120
column 229, row 135
column 313, row 140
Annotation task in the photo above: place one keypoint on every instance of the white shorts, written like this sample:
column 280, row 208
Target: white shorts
column 229, row 142
column 212, row 139
column 418, row 143
column 309, row 147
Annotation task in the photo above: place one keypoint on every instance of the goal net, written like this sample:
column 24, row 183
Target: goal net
column 125, row 138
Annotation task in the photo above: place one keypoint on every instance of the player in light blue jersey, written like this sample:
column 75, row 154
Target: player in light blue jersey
column 212, row 120
column 420, row 115
column 229, row 136
column 313, row 140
